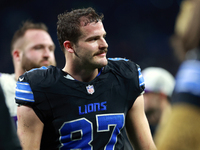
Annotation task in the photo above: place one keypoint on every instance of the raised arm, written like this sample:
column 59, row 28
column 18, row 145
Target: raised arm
column 29, row 129
column 138, row 128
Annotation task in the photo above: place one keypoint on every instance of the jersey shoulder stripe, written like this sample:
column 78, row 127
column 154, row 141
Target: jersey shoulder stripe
column 23, row 92
column 118, row 59
column 128, row 69
column 141, row 79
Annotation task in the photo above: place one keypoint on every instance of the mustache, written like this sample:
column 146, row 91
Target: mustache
column 43, row 60
column 101, row 52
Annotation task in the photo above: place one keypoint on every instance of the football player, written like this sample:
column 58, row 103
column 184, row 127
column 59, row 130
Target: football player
column 93, row 103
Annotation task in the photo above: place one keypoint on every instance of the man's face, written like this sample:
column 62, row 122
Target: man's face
column 152, row 104
column 38, row 50
column 91, row 48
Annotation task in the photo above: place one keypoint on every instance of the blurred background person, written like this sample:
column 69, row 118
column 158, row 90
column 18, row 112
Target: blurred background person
column 159, row 84
column 31, row 47
column 8, row 135
column 182, row 128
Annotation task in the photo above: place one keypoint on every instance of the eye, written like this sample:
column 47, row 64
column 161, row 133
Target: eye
column 37, row 47
column 94, row 39
column 52, row 48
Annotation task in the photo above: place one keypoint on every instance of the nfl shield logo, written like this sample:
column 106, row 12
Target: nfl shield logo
column 90, row 89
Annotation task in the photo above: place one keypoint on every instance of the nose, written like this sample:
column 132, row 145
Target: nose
column 103, row 44
column 46, row 52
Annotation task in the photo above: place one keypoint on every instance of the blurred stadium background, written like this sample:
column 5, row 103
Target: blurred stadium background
column 136, row 29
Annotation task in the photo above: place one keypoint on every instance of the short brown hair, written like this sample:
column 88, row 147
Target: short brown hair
column 68, row 25
column 22, row 30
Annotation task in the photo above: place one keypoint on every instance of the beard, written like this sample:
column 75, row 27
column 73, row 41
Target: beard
column 28, row 64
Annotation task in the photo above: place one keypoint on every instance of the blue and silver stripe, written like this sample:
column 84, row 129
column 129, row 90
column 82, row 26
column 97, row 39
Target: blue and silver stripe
column 141, row 79
column 23, row 92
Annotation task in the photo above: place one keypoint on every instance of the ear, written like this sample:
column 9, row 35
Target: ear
column 16, row 54
column 68, row 46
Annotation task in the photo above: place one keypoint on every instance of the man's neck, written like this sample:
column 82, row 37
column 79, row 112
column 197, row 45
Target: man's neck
column 18, row 72
column 81, row 75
